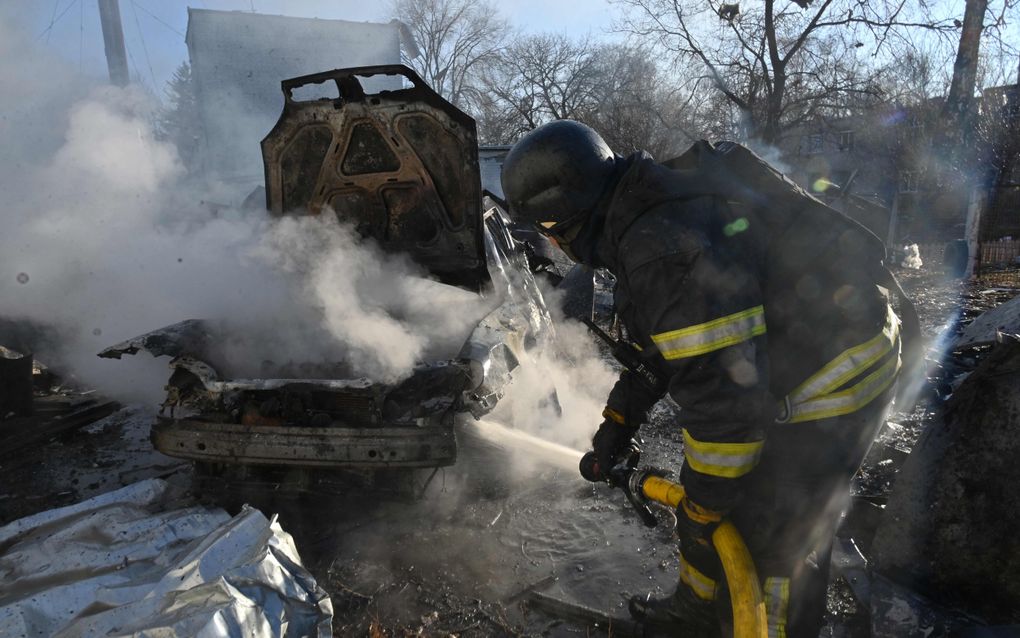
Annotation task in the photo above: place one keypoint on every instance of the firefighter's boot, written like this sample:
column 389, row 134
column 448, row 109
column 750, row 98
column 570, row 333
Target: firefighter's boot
column 681, row 614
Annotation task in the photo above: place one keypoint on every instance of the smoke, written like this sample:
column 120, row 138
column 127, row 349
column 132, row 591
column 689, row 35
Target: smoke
column 104, row 237
column 559, row 395
column 382, row 309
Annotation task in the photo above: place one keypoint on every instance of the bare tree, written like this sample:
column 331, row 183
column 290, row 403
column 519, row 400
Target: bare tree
column 455, row 38
column 957, row 110
column 616, row 89
column 778, row 62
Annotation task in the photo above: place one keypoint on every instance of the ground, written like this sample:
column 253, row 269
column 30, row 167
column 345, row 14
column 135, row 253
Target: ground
column 492, row 547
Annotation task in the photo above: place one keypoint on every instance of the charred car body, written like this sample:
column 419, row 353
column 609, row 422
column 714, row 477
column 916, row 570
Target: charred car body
column 400, row 167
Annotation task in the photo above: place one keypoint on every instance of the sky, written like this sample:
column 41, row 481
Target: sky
column 154, row 29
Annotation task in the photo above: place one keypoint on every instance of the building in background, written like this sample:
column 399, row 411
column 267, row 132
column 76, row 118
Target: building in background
column 880, row 168
column 490, row 165
column 238, row 60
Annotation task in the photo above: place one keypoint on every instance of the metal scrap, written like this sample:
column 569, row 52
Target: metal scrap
column 127, row 566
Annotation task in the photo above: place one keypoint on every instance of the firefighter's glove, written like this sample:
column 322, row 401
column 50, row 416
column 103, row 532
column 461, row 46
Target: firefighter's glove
column 612, row 438
column 695, row 524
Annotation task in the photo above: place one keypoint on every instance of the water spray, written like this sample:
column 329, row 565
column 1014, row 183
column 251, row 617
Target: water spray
column 536, row 447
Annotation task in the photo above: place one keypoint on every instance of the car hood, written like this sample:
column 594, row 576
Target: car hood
column 400, row 166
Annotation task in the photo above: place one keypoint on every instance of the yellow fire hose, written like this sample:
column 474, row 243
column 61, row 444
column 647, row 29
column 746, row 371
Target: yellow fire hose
column 749, row 620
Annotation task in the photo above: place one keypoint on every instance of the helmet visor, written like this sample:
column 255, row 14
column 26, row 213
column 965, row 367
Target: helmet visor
column 562, row 235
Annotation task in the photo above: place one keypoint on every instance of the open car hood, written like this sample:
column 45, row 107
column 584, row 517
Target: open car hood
column 401, row 166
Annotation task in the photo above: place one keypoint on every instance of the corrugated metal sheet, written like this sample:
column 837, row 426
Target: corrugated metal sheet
column 120, row 564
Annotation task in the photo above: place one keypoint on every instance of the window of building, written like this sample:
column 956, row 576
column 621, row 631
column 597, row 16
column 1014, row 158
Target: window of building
column 814, row 143
column 846, row 141
column 908, row 181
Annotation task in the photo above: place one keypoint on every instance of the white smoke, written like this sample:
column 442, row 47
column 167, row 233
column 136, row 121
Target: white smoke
column 382, row 309
column 559, row 395
column 104, row 237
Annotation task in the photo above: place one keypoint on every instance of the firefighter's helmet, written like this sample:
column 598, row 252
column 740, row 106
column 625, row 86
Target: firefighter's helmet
column 555, row 175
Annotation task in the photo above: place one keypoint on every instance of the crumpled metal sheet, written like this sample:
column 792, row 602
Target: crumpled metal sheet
column 188, row 336
column 119, row 564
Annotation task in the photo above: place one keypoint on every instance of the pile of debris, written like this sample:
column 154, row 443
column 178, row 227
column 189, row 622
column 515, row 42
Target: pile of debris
column 35, row 407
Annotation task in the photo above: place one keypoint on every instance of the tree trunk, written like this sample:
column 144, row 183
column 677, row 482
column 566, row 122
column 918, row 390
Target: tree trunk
column 958, row 106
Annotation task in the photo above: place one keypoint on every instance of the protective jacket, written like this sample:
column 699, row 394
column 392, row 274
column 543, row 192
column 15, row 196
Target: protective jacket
column 768, row 323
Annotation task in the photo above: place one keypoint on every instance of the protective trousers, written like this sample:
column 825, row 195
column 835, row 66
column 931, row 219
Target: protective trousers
column 789, row 514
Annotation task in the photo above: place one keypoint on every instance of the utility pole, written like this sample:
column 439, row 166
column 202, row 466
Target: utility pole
column 113, row 39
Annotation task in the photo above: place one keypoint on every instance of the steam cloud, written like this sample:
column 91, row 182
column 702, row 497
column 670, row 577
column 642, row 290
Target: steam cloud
column 104, row 237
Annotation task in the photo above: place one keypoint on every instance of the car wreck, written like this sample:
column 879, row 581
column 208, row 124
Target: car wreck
column 402, row 168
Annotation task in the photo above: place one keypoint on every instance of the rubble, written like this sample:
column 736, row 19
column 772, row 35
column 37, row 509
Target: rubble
column 139, row 561
column 949, row 530
column 988, row 328
column 53, row 415
column 31, row 412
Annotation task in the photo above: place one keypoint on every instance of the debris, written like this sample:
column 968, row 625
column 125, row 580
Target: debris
column 527, row 591
column 898, row 612
column 912, row 257
column 180, row 338
column 986, row 328
column 949, row 530
column 582, row 614
column 126, row 570
column 848, row 562
column 53, row 416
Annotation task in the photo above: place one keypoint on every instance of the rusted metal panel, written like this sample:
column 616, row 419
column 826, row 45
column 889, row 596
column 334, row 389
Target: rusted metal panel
column 400, row 166
column 365, row 448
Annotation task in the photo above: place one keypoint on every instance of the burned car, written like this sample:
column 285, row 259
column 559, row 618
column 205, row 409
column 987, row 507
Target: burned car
column 401, row 167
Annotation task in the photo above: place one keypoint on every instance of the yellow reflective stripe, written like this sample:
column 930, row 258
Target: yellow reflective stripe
column 699, row 514
column 713, row 335
column 777, row 601
column 728, row 460
column 851, row 363
column 849, row 400
column 613, row 415
column 702, row 586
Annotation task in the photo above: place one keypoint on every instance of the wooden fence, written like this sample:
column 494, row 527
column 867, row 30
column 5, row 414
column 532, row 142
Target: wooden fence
column 994, row 254
column 1000, row 254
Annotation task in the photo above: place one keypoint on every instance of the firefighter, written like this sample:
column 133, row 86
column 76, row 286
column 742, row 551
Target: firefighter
column 762, row 307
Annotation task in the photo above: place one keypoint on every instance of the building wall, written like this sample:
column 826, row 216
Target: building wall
column 238, row 61
column 889, row 154
column 490, row 165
